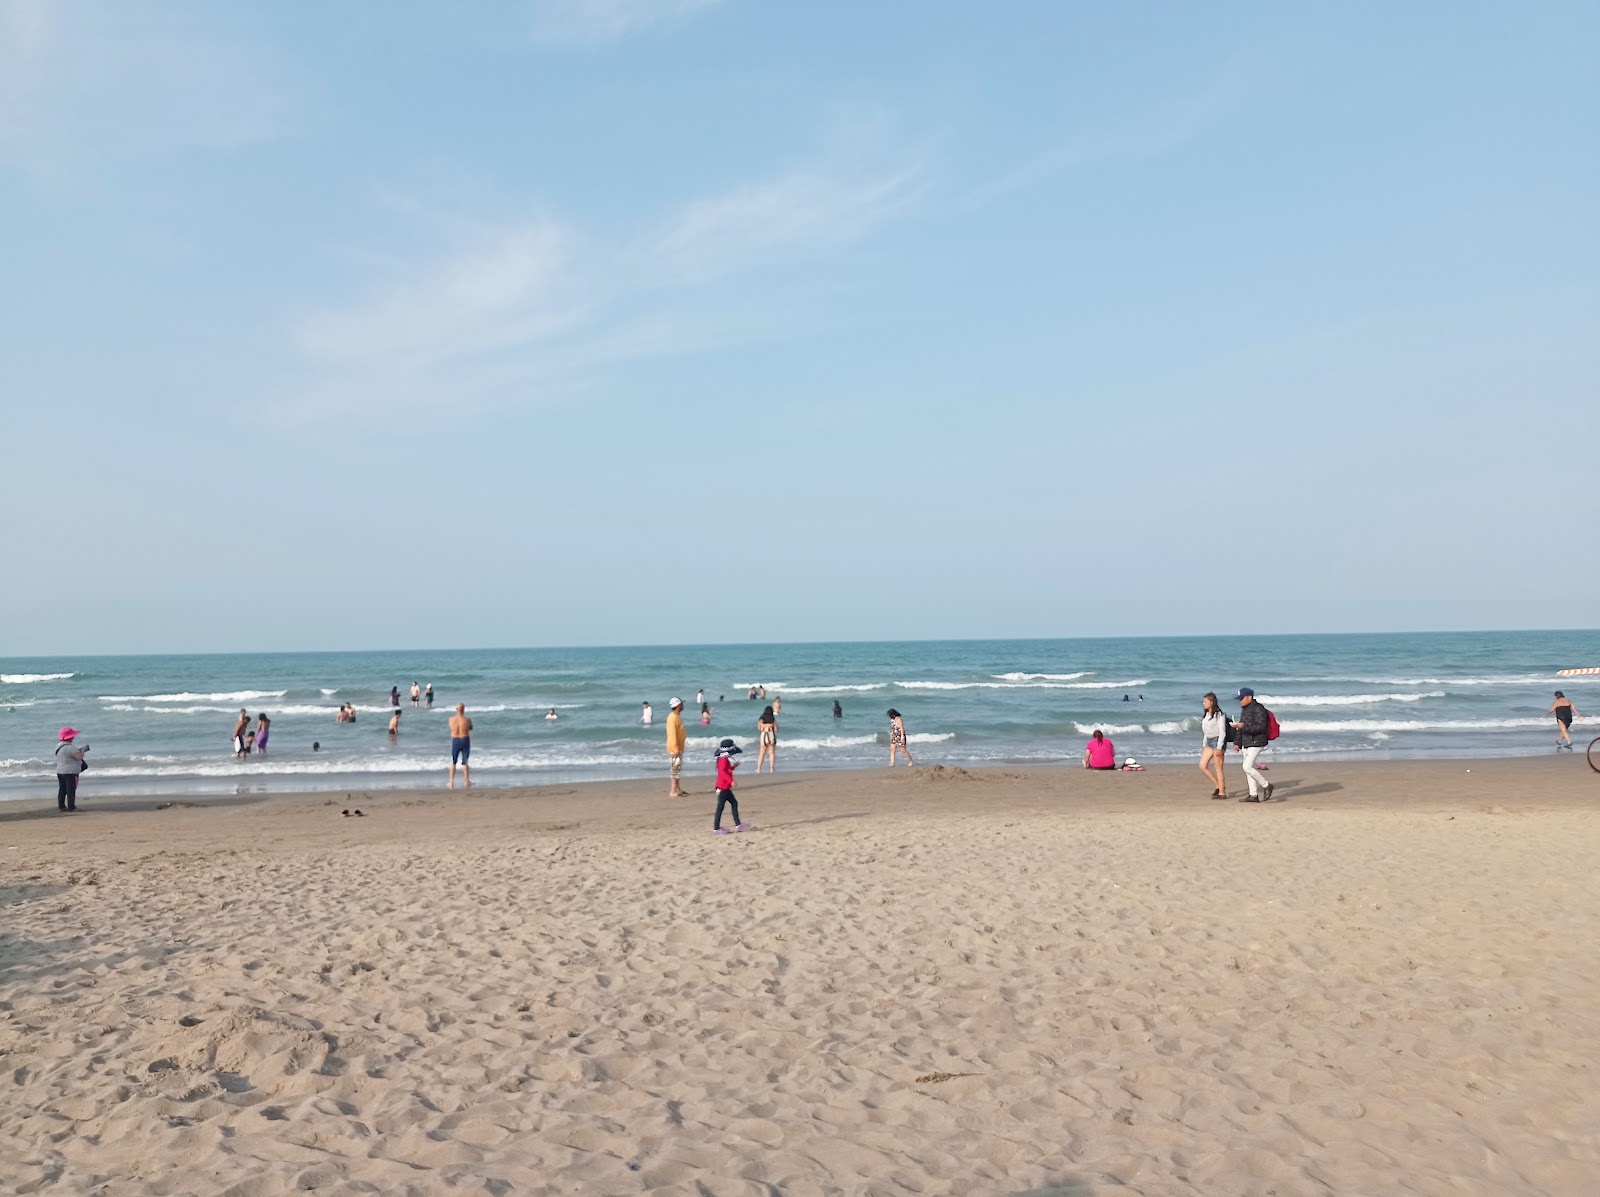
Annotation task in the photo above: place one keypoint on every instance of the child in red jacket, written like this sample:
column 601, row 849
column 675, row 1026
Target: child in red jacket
column 727, row 762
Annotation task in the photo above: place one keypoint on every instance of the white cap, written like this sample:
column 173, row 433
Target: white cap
column 676, row 702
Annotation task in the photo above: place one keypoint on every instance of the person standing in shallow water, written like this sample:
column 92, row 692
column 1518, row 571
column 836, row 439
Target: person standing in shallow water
column 460, row 745
column 897, row 738
column 263, row 728
column 416, row 694
column 767, row 727
column 1565, row 713
column 427, row 695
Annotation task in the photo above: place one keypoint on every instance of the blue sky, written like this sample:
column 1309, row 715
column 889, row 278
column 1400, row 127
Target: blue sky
column 605, row 321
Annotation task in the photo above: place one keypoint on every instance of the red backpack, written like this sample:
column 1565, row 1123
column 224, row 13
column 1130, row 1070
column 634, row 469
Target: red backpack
column 1272, row 727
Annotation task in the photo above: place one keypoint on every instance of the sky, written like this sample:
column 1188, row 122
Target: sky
column 403, row 325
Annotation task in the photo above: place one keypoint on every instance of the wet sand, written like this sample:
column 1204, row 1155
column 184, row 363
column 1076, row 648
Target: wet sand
column 934, row 981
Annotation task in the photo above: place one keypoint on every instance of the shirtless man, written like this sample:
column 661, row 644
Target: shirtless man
column 238, row 732
column 460, row 745
column 416, row 694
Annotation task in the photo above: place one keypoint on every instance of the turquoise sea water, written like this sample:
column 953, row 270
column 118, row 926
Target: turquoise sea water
column 161, row 723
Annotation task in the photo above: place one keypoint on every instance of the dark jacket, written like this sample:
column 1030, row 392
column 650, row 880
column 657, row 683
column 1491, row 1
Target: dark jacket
column 1252, row 729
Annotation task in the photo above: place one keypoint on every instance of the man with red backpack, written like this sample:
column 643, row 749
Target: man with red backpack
column 1254, row 729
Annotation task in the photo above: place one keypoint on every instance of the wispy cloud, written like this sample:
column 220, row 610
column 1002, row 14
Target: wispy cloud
column 537, row 303
column 761, row 221
column 83, row 82
column 587, row 22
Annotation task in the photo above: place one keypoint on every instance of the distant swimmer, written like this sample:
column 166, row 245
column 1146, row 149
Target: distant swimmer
column 394, row 723
column 750, row 695
column 897, row 738
column 239, row 726
column 460, row 745
column 705, row 715
column 838, row 711
column 263, row 726
column 1125, row 698
column 416, row 694
column 394, row 696
column 777, row 705
column 700, row 696
column 1565, row 713
column 647, row 716
column 552, row 716
column 427, row 695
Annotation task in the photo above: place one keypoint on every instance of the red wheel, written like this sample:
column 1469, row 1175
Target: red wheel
column 1594, row 754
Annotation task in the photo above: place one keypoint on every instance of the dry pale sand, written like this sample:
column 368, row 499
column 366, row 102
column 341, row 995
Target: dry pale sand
column 1040, row 982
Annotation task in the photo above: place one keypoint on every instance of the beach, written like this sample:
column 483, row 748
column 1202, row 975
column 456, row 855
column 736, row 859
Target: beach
column 997, row 981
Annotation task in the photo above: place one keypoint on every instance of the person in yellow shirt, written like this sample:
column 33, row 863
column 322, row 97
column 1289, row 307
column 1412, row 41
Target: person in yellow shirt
column 677, row 737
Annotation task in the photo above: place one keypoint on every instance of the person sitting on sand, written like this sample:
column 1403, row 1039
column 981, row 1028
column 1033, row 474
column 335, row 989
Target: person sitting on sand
column 1099, row 752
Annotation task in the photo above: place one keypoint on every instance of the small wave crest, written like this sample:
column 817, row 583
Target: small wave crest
column 28, row 679
column 1343, row 700
column 1043, row 677
column 229, row 696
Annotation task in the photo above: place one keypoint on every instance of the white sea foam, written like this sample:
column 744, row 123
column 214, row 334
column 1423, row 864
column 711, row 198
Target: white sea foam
column 230, row 696
column 929, row 737
column 27, row 679
column 1391, row 725
column 831, row 689
column 1043, row 677
column 1110, row 729
column 328, row 690
column 1133, row 685
column 1343, row 700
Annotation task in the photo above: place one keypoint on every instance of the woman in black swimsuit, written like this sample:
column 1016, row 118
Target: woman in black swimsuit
column 1565, row 713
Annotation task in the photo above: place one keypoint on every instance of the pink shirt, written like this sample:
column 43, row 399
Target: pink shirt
column 1102, row 755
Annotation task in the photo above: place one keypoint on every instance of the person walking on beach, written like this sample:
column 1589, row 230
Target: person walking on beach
column 677, row 737
column 263, row 727
column 1213, row 743
column 1250, row 734
column 767, row 725
column 69, row 766
column 1565, row 713
column 460, row 745
column 727, row 762
column 239, row 726
column 427, row 695
column 416, row 694
column 897, row 738
column 648, row 717
column 1099, row 752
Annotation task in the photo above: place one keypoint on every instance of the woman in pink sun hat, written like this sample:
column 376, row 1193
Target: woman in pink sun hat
column 69, row 765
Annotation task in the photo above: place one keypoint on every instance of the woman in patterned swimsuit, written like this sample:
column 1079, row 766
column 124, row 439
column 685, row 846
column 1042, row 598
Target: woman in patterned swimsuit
column 897, row 738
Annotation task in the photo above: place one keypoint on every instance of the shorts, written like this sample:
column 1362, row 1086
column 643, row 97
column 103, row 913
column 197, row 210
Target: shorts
column 675, row 762
column 460, row 749
column 1213, row 741
column 1564, row 716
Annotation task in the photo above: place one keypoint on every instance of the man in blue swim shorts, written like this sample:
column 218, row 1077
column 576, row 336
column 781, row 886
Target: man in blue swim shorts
column 460, row 745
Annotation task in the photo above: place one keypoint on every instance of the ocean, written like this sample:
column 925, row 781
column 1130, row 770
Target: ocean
column 161, row 724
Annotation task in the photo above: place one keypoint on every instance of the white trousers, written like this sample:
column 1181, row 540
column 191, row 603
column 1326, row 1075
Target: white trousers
column 1253, row 776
